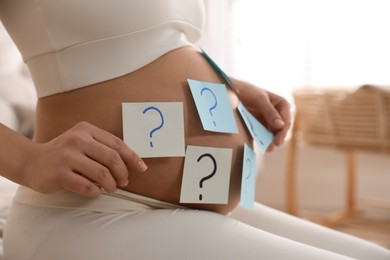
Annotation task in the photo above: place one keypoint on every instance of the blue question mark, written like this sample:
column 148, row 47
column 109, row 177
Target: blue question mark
column 248, row 162
column 210, row 175
column 215, row 103
column 250, row 123
column 158, row 127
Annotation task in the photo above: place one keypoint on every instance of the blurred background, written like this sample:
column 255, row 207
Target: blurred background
column 287, row 46
column 316, row 46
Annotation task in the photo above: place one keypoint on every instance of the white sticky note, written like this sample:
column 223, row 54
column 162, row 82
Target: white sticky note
column 206, row 176
column 248, row 181
column 154, row 129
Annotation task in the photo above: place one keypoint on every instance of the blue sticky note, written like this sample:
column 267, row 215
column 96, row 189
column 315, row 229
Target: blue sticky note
column 259, row 133
column 248, row 182
column 217, row 69
column 213, row 105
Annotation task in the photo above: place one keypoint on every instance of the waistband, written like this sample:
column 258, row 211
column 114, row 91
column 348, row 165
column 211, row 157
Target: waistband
column 120, row 201
column 100, row 60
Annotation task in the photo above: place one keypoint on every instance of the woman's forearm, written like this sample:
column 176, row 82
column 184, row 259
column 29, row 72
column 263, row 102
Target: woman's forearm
column 83, row 159
column 14, row 150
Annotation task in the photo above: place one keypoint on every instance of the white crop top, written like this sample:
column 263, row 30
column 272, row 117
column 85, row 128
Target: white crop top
column 69, row 44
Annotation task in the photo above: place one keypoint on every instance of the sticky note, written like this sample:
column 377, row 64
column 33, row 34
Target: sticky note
column 259, row 133
column 154, row 129
column 213, row 105
column 206, row 175
column 217, row 69
column 248, row 178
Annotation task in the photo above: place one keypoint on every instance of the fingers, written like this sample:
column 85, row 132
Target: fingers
column 96, row 159
column 283, row 108
column 109, row 161
column 111, row 158
column 270, row 147
column 78, row 184
column 129, row 157
column 95, row 172
column 273, row 119
column 270, row 114
column 270, row 109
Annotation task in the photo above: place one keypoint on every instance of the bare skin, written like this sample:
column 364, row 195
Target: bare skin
column 70, row 155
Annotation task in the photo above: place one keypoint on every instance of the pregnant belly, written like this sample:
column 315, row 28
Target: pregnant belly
column 164, row 80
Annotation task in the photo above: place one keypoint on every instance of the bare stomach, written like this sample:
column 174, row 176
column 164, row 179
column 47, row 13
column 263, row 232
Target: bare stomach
column 164, row 80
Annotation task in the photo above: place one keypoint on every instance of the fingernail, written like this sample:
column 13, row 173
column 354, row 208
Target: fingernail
column 278, row 123
column 125, row 183
column 142, row 166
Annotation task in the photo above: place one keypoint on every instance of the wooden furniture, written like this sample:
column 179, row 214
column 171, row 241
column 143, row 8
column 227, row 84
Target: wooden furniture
column 346, row 120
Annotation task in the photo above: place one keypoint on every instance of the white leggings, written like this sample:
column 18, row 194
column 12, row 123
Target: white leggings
column 42, row 233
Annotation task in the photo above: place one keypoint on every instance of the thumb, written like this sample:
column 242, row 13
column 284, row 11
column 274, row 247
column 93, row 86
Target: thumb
column 271, row 115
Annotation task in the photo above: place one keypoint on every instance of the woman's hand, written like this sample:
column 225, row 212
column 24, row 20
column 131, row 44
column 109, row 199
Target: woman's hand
column 85, row 159
column 271, row 110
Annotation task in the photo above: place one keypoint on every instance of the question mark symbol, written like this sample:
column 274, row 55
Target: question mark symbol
column 158, row 127
column 210, row 175
column 248, row 162
column 215, row 101
column 250, row 123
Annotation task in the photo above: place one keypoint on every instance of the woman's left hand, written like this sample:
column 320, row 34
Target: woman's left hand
column 271, row 110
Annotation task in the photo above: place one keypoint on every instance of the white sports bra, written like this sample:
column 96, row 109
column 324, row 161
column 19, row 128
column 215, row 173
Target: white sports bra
column 69, row 44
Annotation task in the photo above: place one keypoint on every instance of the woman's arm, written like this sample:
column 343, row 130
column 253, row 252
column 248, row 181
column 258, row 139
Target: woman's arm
column 81, row 160
column 271, row 110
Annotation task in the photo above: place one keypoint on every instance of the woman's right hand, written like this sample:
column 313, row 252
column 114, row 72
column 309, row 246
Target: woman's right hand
column 85, row 159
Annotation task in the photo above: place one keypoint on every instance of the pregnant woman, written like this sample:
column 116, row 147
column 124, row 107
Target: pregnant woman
column 84, row 194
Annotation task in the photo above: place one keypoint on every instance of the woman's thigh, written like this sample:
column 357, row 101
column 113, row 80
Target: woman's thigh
column 47, row 233
column 294, row 228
